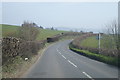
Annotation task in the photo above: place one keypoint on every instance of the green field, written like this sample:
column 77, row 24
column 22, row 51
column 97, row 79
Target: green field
column 90, row 42
column 44, row 33
column 106, row 42
column 10, row 30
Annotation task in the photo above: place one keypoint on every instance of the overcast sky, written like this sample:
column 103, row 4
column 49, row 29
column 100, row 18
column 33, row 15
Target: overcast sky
column 88, row 16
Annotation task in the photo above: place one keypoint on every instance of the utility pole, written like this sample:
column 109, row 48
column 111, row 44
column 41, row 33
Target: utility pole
column 99, row 36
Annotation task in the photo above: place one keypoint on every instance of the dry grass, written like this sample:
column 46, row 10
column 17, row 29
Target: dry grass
column 22, row 66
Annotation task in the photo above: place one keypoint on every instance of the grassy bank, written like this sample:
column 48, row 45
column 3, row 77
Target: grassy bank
column 12, row 31
column 9, row 30
column 99, row 57
column 19, row 66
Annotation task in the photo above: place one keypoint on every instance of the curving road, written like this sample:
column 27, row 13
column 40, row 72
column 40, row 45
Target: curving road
column 58, row 61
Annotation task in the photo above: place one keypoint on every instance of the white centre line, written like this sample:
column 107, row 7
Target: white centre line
column 87, row 75
column 59, row 52
column 72, row 63
column 64, row 57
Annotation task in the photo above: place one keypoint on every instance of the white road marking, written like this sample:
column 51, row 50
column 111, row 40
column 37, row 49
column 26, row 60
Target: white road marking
column 72, row 63
column 64, row 57
column 58, row 51
column 87, row 75
column 75, row 65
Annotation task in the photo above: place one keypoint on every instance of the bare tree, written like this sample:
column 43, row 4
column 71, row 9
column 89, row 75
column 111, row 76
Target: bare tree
column 113, row 33
column 28, row 31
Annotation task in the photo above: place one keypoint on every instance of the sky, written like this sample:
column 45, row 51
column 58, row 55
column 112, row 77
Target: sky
column 86, row 16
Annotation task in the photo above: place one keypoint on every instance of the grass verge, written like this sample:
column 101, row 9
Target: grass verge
column 99, row 57
column 19, row 66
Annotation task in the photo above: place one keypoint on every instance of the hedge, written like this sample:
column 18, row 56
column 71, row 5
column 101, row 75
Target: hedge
column 99, row 57
column 12, row 47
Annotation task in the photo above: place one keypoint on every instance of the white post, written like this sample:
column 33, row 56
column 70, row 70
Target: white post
column 99, row 42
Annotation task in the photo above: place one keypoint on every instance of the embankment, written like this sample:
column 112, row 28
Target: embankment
column 109, row 56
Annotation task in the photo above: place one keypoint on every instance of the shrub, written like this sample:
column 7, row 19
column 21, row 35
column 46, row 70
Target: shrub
column 28, row 31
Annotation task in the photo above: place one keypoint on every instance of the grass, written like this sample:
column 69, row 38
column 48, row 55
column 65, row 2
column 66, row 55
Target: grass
column 44, row 33
column 20, row 66
column 90, row 42
column 12, row 31
column 106, row 42
column 99, row 57
column 9, row 67
column 9, row 30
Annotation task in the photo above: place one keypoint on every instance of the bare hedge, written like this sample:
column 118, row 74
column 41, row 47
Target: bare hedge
column 12, row 47
column 62, row 35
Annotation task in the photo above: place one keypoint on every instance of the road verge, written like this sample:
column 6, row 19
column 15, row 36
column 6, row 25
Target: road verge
column 98, row 57
column 21, row 66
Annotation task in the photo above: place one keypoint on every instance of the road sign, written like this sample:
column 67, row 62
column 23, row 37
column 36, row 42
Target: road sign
column 98, row 37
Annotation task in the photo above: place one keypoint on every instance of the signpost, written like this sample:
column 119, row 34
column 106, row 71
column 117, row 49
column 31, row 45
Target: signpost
column 98, row 37
column 99, row 41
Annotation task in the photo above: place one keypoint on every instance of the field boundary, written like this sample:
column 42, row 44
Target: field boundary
column 98, row 57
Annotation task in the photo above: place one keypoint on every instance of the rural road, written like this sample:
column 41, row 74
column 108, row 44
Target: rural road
column 58, row 61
